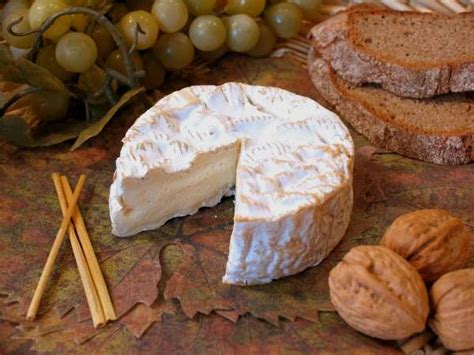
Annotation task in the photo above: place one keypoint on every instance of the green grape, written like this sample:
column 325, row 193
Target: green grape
column 219, row 52
column 91, row 82
column 284, row 19
column 220, row 6
column 46, row 105
column 79, row 22
column 207, row 32
column 104, row 41
column 250, row 7
column 76, row 52
column 41, row 10
column 201, row 7
column 13, row 7
column 242, row 32
column 148, row 24
column 117, row 11
column 22, row 27
column 47, row 59
column 310, row 8
column 174, row 50
column 144, row 5
column 154, row 72
column 115, row 61
column 171, row 15
column 266, row 42
column 51, row 105
column 75, row 2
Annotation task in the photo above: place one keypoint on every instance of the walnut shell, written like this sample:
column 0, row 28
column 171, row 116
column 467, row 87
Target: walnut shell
column 452, row 298
column 379, row 293
column 433, row 241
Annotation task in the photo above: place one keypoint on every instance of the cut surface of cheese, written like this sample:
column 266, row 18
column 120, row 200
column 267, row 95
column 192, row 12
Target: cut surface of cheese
column 287, row 159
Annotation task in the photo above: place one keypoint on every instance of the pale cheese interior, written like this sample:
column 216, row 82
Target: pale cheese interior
column 162, row 196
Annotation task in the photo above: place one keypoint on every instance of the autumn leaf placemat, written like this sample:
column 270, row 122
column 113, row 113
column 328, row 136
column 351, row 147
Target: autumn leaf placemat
column 166, row 284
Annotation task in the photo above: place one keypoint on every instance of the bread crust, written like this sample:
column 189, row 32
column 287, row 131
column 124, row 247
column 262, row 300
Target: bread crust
column 446, row 148
column 335, row 41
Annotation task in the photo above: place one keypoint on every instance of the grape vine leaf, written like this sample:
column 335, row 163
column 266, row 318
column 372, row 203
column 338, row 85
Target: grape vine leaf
column 5, row 57
column 17, row 131
column 96, row 127
column 38, row 76
column 142, row 317
column 192, row 251
column 213, row 334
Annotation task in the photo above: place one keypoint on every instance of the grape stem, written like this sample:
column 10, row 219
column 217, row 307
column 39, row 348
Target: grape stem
column 19, row 34
column 110, row 94
column 87, row 109
column 138, row 30
column 132, row 80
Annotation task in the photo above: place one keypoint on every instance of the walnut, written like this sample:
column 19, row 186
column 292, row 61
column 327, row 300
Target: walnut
column 379, row 293
column 433, row 241
column 452, row 299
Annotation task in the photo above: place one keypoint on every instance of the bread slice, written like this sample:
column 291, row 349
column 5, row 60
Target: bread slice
column 410, row 54
column 438, row 130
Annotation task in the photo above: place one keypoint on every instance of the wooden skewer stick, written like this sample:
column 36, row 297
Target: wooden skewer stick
column 48, row 268
column 92, row 297
column 91, row 258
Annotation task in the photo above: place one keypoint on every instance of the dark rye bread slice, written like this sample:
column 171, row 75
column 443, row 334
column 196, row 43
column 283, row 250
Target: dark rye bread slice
column 410, row 54
column 438, row 130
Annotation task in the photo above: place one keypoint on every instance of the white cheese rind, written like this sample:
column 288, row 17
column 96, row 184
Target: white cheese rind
column 290, row 158
column 263, row 251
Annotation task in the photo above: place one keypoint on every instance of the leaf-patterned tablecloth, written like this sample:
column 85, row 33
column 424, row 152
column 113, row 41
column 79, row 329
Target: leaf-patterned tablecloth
column 166, row 283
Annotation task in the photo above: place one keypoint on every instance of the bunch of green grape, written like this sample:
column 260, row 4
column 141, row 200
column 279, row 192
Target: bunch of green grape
column 165, row 35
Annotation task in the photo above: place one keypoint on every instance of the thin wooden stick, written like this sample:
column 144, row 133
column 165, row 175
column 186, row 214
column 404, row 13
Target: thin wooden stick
column 91, row 258
column 48, row 267
column 91, row 293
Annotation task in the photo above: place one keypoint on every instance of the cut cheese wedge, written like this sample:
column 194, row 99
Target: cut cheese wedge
column 287, row 159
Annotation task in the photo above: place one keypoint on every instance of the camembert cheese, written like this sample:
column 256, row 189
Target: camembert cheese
column 287, row 159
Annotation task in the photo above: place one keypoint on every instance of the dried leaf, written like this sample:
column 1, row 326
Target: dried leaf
column 215, row 335
column 197, row 284
column 233, row 316
column 142, row 317
column 126, row 287
column 17, row 131
column 131, row 291
column 367, row 177
column 192, row 252
column 11, row 73
column 5, row 56
column 38, row 76
column 60, row 132
column 45, row 332
column 96, row 127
